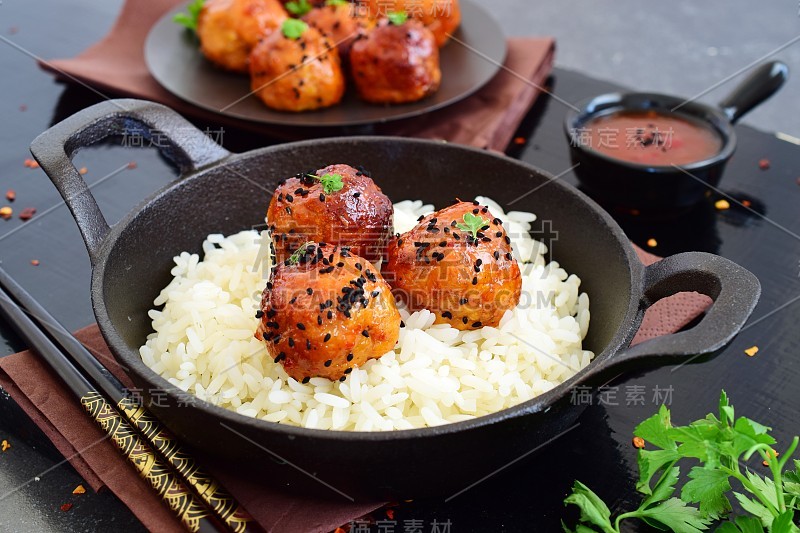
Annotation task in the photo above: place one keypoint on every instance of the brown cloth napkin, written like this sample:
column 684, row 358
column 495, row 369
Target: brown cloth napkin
column 488, row 119
column 42, row 396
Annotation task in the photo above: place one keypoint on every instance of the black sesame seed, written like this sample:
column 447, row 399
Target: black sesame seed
column 330, row 315
column 342, row 379
column 464, row 301
column 349, row 357
column 309, row 291
column 328, row 362
column 289, row 198
column 308, row 344
column 306, row 380
column 478, row 262
column 465, row 320
column 259, row 313
column 447, row 314
column 496, row 255
column 476, row 211
column 365, row 333
column 356, row 194
column 477, row 325
column 348, row 371
column 327, row 337
column 475, row 280
column 321, row 197
column 498, row 234
column 319, row 320
column 508, row 240
column 300, row 326
column 402, row 324
column 509, row 256
column 291, row 342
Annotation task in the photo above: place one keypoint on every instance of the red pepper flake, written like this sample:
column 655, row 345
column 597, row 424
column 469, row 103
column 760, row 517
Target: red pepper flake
column 764, row 164
column 638, row 442
column 6, row 212
column 652, row 243
column 132, row 165
column 747, row 203
column 83, row 170
column 30, row 163
column 11, row 195
column 390, row 514
column 23, row 107
column 66, row 507
column 79, row 490
column 520, row 140
column 13, row 30
column 27, row 213
column 35, row 262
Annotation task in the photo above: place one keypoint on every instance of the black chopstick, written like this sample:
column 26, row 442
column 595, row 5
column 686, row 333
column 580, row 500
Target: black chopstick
column 128, row 413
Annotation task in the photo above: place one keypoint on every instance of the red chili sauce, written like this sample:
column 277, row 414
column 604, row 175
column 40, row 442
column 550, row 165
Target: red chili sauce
column 649, row 138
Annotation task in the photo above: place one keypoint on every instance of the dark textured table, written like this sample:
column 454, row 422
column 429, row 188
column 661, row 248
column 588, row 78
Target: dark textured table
column 527, row 496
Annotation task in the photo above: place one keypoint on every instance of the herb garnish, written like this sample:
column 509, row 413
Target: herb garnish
column 298, row 254
column 398, row 18
column 337, row 3
column 721, row 445
column 331, row 183
column 189, row 19
column 293, row 28
column 298, row 8
column 473, row 224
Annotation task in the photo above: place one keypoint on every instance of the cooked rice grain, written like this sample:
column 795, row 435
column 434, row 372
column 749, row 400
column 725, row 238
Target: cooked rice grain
column 203, row 343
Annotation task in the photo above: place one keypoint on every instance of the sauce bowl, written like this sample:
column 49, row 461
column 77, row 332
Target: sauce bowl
column 625, row 184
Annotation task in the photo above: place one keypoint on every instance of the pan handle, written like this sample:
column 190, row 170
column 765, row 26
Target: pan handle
column 179, row 141
column 734, row 289
column 762, row 83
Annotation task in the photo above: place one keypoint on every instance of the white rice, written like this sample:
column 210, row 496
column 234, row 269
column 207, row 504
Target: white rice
column 203, row 343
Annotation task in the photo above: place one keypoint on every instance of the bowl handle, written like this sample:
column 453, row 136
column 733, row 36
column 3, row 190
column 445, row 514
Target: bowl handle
column 734, row 289
column 762, row 83
column 179, row 141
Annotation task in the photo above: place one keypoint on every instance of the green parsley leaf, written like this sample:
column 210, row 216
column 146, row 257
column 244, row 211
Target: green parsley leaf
column 331, row 183
column 784, row 524
column 708, row 487
column 650, row 462
column 189, row 19
column 337, row 3
column 398, row 18
column 298, row 254
column 655, row 430
column 677, row 516
column 664, row 488
column 293, row 28
column 473, row 224
column 754, row 508
column 743, row 524
column 298, row 8
column 593, row 509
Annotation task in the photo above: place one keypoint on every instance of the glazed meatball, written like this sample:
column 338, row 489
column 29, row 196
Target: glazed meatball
column 219, row 40
column 296, row 69
column 442, row 17
column 396, row 64
column 341, row 206
column 458, row 264
column 325, row 311
column 341, row 23
column 257, row 19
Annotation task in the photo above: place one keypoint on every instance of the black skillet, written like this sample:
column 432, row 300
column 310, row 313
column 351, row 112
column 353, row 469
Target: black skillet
column 220, row 192
column 635, row 185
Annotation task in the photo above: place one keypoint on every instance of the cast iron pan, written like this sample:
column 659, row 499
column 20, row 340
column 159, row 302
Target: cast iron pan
column 220, row 192
column 174, row 60
column 635, row 185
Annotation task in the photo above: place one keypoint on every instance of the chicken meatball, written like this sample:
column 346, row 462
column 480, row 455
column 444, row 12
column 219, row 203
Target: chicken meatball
column 458, row 264
column 296, row 69
column 219, row 40
column 341, row 23
column 336, row 205
column 257, row 19
column 325, row 311
column 396, row 64
column 442, row 17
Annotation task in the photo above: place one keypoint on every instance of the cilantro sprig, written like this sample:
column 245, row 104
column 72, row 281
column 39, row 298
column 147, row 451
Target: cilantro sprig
column 189, row 18
column 331, row 183
column 298, row 8
column 398, row 18
column 293, row 28
column 721, row 445
column 472, row 224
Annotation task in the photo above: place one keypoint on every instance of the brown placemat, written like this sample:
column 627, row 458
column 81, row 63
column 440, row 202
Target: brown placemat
column 116, row 67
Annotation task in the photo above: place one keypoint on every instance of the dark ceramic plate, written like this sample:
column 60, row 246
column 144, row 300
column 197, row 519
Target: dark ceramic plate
column 174, row 60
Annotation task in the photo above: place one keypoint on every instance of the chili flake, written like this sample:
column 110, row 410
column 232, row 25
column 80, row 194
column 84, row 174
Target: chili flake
column 6, row 212
column 30, row 163
column 66, row 507
column 23, row 107
column 390, row 514
column 751, row 351
column 27, row 213
column 132, row 165
column 83, row 170
column 652, row 243
column 79, row 490
column 764, row 164
column 722, row 205
column 4, row 445
column 35, row 262
column 638, row 442
column 520, row 140
column 11, row 195
column 747, row 203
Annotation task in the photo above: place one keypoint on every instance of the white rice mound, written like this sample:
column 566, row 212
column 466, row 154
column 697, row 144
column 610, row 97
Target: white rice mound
column 203, row 343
